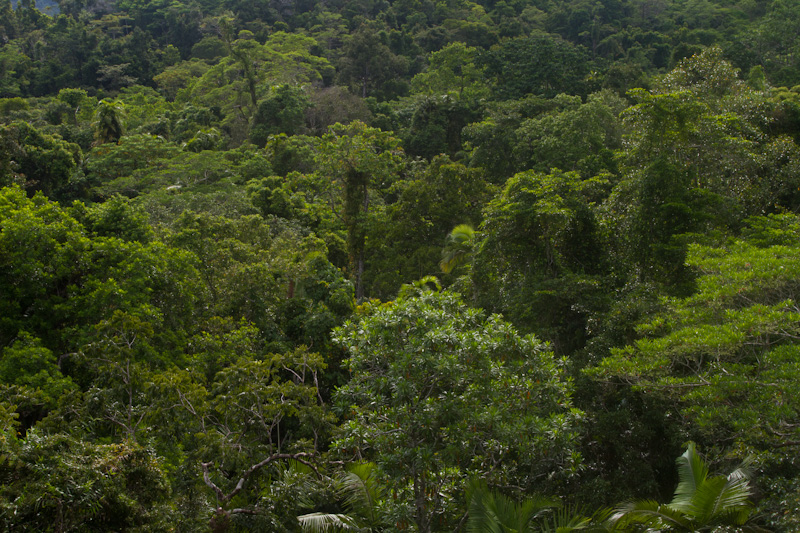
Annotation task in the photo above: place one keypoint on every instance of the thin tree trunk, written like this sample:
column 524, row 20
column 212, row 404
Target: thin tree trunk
column 360, row 258
column 421, row 511
column 359, row 275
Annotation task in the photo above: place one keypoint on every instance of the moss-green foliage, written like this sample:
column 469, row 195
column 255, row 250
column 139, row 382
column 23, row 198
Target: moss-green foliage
column 195, row 196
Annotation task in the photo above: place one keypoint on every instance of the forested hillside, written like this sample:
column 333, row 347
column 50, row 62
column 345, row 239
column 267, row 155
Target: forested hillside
column 400, row 265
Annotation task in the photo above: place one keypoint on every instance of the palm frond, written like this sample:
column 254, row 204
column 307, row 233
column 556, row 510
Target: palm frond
column 459, row 245
column 533, row 507
column 494, row 512
column 483, row 510
column 361, row 489
column 649, row 513
column 323, row 522
column 692, row 473
column 724, row 498
column 565, row 520
column 711, row 500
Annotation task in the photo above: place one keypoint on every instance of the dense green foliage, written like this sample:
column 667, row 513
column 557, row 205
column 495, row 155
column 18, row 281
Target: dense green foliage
column 402, row 265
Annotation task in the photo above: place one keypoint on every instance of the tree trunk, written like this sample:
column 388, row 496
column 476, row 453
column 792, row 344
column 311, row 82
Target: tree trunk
column 360, row 259
column 359, row 275
column 420, row 509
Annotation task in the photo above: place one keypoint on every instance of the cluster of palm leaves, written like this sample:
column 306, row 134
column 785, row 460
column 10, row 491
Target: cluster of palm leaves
column 493, row 512
column 701, row 503
column 361, row 493
column 458, row 249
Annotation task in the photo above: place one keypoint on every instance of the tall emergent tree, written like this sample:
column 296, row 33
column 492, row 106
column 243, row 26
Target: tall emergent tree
column 357, row 158
column 540, row 258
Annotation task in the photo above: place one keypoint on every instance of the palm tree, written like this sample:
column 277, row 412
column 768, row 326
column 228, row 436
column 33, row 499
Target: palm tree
column 361, row 492
column 458, row 248
column 701, row 503
column 108, row 122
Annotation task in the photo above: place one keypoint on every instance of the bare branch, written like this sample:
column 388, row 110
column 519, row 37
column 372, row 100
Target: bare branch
column 223, row 498
column 214, row 487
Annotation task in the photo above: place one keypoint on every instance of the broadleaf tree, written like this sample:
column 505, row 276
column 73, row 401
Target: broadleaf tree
column 440, row 392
